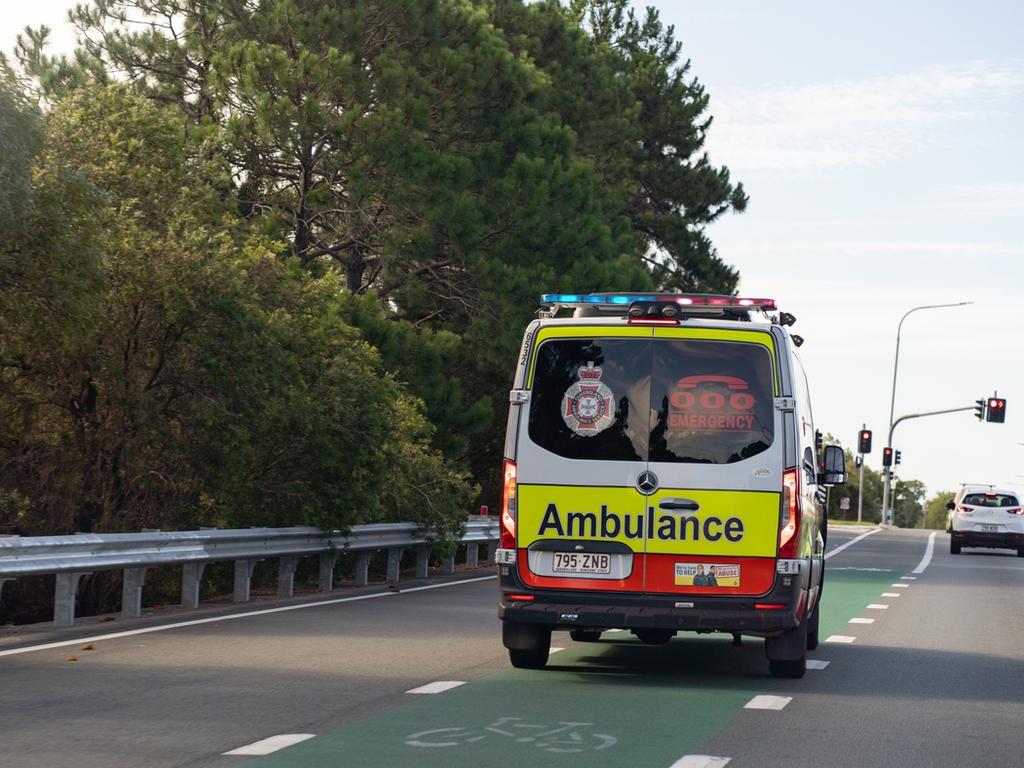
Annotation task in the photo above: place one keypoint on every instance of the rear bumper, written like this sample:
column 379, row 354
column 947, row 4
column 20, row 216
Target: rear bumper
column 571, row 609
column 983, row 539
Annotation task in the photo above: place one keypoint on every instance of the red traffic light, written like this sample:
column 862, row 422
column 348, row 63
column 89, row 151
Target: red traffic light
column 864, row 441
column 887, row 457
column 996, row 410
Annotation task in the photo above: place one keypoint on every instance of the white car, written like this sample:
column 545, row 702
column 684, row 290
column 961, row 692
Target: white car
column 986, row 516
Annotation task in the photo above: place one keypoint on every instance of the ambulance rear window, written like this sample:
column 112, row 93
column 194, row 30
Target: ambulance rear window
column 665, row 400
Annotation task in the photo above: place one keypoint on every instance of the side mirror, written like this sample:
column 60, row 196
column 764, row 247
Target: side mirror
column 835, row 466
column 950, row 505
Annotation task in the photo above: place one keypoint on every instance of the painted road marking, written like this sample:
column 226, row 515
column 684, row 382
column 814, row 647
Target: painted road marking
column 817, row 663
column 233, row 616
column 615, row 630
column 900, row 586
column 909, row 578
column 878, row 606
column 272, row 744
column 928, row 550
column 439, row 687
column 840, row 639
column 555, row 649
column 701, row 761
column 850, row 543
column 768, row 702
column 890, row 594
column 862, row 621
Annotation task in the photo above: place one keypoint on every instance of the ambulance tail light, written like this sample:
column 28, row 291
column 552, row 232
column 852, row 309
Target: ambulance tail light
column 508, row 506
column 789, row 514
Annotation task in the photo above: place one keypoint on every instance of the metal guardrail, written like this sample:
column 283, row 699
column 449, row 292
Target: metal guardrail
column 71, row 557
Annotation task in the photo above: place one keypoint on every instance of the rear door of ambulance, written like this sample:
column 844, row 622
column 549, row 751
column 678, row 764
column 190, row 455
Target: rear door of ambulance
column 717, row 453
column 581, row 445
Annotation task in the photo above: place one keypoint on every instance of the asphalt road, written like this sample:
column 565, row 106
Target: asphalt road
column 935, row 679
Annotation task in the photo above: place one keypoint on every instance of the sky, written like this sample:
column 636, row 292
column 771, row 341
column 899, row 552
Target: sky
column 880, row 144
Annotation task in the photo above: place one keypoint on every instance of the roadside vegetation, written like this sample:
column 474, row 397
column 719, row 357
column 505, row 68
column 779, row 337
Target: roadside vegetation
column 268, row 263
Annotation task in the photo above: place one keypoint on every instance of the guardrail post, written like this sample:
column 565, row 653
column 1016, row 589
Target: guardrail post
column 131, row 592
column 394, row 562
column 362, row 577
column 472, row 554
column 489, row 548
column 243, row 579
column 448, row 566
column 64, row 599
column 191, row 578
column 422, row 561
column 286, row 575
column 327, row 563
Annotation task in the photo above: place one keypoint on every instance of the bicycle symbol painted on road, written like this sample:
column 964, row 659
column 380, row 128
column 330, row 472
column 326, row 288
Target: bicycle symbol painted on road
column 566, row 738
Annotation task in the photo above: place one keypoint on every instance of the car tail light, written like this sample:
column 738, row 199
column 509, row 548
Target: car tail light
column 508, row 506
column 789, row 514
column 963, row 508
column 1015, row 511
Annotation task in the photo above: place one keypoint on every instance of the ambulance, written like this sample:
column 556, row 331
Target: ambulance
column 662, row 474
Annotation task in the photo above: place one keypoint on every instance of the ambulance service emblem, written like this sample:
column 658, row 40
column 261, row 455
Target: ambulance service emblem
column 589, row 405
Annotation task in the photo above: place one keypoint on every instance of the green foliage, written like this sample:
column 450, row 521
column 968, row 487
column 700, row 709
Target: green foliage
column 309, row 236
column 936, row 510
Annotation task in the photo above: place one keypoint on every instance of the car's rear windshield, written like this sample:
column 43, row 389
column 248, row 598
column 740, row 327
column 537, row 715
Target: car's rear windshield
column 991, row 500
column 667, row 400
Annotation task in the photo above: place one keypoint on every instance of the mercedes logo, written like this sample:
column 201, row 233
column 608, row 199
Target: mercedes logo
column 647, row 482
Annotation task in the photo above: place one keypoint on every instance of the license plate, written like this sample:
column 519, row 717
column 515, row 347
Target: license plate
column 582, row 562
column 989, row 528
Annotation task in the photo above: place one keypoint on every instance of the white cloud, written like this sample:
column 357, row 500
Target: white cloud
column 855, row 123
column 1000, row 198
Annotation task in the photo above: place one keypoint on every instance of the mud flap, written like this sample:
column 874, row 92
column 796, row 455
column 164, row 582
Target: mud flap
column 519, row 636
column 790, row 645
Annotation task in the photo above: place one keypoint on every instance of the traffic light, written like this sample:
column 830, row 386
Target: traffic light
column 864, row 441
column 887, row 457
column 996, row 410
column 979, row 410
column 896, row 458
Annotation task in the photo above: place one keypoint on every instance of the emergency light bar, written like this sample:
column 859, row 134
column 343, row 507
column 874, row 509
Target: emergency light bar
column 682, row 299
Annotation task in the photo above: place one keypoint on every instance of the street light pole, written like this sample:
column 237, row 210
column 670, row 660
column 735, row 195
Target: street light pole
column 886, row 512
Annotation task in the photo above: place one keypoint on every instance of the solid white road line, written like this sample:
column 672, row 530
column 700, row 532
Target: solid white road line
column 890, row 594
column 878, row 606
column 768, row 702
column 439, row 687
column 817, row 663
column 928, row 550
column 861, row 621
column 273, row 744
column 234, row 616
column 850, row 543
column 701, row 761
column 840, row 639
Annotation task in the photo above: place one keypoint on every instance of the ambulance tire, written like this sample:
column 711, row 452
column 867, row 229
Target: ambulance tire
column 585, row 635
column 528, row 644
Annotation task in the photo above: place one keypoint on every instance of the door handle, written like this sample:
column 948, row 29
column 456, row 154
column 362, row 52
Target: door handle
column 679, row 505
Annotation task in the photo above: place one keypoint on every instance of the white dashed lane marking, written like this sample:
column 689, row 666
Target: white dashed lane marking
column 890, row 594
column 270, row 745
column 878, row 606
column 861, row 621
column 909, row 578
column 555, row 649
column 898, row 585
column 765, row 701
column 439, row 687
column 701, row 761
column 840, row 639
column 817, row 663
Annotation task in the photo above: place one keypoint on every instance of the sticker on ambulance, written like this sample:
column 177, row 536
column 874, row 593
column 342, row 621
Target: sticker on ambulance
column 712, row 404
column 589, row 405
column 707, row 575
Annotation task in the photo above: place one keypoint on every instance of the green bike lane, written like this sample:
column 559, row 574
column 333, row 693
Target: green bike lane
column 608, row 703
